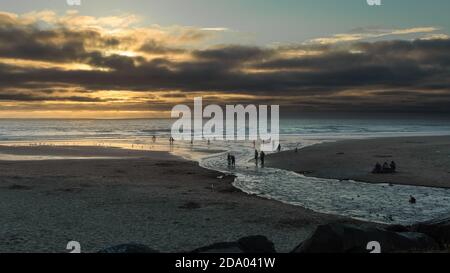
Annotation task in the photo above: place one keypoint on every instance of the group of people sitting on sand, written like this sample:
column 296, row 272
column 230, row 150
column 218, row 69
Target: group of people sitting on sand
column 386, row 168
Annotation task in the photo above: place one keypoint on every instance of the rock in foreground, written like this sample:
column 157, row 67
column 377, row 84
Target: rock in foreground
column 342, row 238
column 439, row 230
column 128, row 248
column 251, row 244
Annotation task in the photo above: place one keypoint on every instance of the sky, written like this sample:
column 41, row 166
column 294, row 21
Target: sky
column 139, row 58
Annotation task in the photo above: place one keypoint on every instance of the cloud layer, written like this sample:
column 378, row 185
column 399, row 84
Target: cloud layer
column 77, row 62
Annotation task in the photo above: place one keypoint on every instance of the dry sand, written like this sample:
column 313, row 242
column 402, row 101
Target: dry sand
column 151, row 198
column 423, row 161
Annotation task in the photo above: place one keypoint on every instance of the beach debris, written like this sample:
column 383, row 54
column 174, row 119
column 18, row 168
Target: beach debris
column 19, row 187
column 190, row 205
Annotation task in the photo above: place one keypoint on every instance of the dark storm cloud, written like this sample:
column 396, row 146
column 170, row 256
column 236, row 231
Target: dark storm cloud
column 29, row 42
column 154, row 47
column 31, row 97
column 233, row 53
column 408, row 69
column 61, row 45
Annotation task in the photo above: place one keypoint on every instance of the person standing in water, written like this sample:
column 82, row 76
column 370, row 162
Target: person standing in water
column 256, row 157
column 279, row 148
column 262, row 158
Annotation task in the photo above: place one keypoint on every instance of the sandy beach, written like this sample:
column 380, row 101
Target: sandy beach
column 421, row 161
column 152, row 198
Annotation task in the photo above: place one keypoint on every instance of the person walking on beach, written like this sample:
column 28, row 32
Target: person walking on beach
column 229, row 160
column 279, row 148
column 233, row 161
column 256, row 157
column 154, row 138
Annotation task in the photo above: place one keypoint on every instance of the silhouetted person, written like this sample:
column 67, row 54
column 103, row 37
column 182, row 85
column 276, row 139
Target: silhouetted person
column 393, row 166
column 153, row 138
column 279, row 148
column 412, row 200
column 229, row 159
column 378, row 168
column 262, row 158
column 256, row 157
column 233, row 161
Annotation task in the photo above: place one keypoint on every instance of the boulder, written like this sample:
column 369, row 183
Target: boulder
column 344, row 238
column 128, row 248
column 439, row 230
column 250, row 244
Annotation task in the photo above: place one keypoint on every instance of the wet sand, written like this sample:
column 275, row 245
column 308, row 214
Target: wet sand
column 421, row 161
column 152, row 198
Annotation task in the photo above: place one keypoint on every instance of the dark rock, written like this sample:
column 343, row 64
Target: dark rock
column 256, row 244
column 225, row 247
column 398, row 228
column 128, row 248
column 251, row 244
column 439, row 230
column 342, row 238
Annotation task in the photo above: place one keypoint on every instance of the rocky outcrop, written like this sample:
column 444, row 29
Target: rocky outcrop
column 334, row 238
column 343, row 238
column 439, row 230
column 250, row 244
